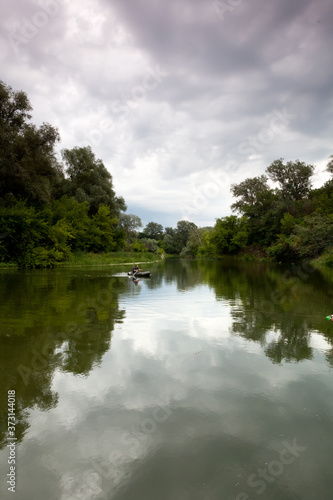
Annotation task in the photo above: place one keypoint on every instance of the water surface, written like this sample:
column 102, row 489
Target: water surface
column 210, row 380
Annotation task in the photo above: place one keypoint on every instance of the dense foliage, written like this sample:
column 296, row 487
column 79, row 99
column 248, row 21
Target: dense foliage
column 51, row 209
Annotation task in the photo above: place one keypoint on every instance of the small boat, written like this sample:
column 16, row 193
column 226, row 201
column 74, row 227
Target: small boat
column 140, row 274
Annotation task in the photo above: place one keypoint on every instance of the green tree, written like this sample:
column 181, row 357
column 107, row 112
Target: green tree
column 75, row 215
column 322, row 198
column 130, row 224
column 150, row 244
column 194, row 242
column 29, row 237
column 183, row 230
column 168, row 244
column 293, row 177
column 314, row 235
column 88, row 180
column 254, row 196
column 258, row 202
column 28, row 166
column 229, row 235
column 15, row 109
column 153, row 231
column 287, row 224
column 105, row 236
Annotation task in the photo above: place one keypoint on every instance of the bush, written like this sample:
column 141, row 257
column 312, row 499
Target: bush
column 150, row 245
column 284, row 250
column 326, row 259
column 138, row 246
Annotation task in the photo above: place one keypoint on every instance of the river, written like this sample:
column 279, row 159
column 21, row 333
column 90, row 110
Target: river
column 207, row 381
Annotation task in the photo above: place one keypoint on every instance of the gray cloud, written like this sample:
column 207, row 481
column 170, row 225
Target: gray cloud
column 165, row 91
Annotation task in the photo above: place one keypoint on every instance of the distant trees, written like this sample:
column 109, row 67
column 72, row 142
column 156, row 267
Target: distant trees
column 153, row 231
column 229, row 236
column 175, row 240
column 130, row 223
column 49, row 209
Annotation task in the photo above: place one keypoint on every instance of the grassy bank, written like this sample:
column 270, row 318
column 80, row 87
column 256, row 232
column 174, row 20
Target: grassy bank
column 110, row 258
column 7, row 265
column 101, row 259
column 325, row 260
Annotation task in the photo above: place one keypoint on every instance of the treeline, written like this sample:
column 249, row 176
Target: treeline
column 51, row 209
column 288, row 222
column 48, row 208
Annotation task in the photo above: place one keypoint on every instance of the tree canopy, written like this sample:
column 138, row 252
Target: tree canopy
column 293, row 177
column 28, row 166
column 88, row 180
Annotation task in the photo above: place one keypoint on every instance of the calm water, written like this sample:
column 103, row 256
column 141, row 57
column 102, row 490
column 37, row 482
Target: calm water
column 208, row 381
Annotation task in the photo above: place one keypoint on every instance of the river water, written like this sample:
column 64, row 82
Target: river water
column 208, row 381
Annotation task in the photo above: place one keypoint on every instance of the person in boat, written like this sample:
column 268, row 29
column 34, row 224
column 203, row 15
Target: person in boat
column 136, row 269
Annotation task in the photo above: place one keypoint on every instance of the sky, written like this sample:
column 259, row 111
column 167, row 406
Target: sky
column 180, row 99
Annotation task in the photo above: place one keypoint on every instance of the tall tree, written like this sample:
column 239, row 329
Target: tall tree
column 258, row 202
column 293, row 177
column 254, row 196
column 182, row 234
column 129, row 223
column 88, row 180
column 153, row 230
column 329, row 166
column 28, row 166
column 15, row 109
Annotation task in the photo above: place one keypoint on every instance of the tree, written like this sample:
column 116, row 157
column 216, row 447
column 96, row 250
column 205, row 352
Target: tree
column 75, row 214
column 294, row 178
column 170, row 231
column 89, row 180
column 314, row 235
column 40, row 244
column 229, row 235
column 329, row 166
column 168, row 244
column 194, row 242
column 129, row 223
column 150, row 244
column 28, row 166
column 258, row 202
column 183, row 231
column 254, row 195
column 153, row 231
column 104, row 234
column 15, row 109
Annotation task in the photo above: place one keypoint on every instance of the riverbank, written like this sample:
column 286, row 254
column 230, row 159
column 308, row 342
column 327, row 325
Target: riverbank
column 110, row 258
column 102, row 259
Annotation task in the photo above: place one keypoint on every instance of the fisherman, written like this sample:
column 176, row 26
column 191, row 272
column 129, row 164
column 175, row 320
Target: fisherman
column 136, row 269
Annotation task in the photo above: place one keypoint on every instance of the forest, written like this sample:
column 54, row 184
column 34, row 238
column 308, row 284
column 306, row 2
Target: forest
column 51, row 209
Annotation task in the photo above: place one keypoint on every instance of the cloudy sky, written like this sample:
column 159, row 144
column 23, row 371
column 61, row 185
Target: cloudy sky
column 179, row 98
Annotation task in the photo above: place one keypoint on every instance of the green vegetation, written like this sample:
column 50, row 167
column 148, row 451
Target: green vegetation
column 109, row 258
column 54, row 212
